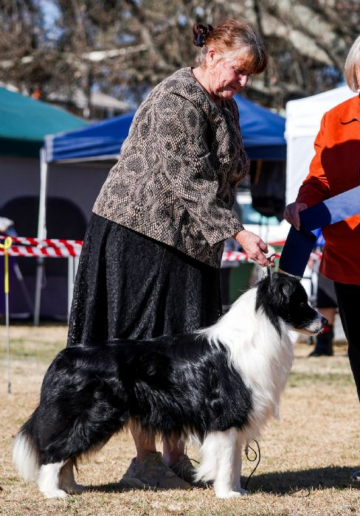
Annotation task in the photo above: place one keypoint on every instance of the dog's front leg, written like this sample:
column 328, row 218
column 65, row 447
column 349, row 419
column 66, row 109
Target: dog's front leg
column 227, row 481
column 221, row 462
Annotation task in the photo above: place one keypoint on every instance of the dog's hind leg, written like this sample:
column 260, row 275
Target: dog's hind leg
column 67, row 480
column 208, row 464
column 221, row 462
column 49, row 480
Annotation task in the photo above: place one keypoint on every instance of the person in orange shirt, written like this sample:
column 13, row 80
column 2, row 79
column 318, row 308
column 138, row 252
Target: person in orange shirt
column 335, row 169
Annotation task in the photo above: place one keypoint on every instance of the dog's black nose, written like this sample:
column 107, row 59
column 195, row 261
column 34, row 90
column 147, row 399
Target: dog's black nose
column 324, row 321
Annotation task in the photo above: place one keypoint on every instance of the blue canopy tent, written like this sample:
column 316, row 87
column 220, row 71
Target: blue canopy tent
column 262, row 131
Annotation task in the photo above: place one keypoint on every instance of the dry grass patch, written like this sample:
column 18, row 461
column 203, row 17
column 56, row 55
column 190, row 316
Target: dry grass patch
column 306, row 458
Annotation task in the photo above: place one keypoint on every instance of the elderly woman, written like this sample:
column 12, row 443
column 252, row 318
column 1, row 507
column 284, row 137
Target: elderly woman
column 334, row 169
column 152, row 252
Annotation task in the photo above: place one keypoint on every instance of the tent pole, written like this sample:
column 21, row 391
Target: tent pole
column 73, row 264
column 71, row 267
column 41, row 233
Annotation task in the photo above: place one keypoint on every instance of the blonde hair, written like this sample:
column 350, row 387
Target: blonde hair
column 232, row 37
column 352, row 66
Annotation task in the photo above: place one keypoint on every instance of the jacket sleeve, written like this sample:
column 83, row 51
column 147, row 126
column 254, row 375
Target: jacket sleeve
column 183, row 145
column 315, row 187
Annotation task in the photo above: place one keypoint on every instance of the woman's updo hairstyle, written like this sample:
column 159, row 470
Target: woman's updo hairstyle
column 201, row 33
column 232, row 37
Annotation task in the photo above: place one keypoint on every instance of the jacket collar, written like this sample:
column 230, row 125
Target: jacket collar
column 351, row 112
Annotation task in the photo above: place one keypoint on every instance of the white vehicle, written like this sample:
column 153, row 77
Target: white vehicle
column 269, row 229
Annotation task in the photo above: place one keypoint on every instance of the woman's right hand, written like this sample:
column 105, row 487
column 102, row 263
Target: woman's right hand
column 291, row 213
column 254, row 247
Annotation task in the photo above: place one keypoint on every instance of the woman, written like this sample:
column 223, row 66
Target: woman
column 152, row 252
column 336, row 169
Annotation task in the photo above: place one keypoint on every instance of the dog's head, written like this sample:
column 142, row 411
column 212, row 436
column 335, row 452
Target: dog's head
column 282, row 296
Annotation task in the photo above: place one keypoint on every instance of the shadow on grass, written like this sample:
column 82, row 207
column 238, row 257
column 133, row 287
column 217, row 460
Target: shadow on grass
column 116, row 488
column 284, row 483
column 291, row 482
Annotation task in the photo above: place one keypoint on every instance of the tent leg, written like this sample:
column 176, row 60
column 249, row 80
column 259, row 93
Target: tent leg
column 73, row 263
column 41, row 233
column 20, row 278
column 38, row 285
column 70, row 282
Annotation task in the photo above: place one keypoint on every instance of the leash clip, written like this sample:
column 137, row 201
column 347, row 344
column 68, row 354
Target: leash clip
column 270, row 269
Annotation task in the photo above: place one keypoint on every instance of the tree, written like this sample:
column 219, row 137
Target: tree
column 123, row 47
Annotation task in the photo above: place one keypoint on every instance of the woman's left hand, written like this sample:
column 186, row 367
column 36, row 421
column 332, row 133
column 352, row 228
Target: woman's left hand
column 292, row 213
column 254, row 247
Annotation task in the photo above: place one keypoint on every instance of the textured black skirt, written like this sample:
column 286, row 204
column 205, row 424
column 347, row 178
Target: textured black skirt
column 131, row 286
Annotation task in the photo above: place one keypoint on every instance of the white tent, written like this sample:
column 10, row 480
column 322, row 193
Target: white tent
column 303, row 118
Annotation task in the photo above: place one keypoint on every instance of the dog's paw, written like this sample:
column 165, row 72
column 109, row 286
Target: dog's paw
column 55, row 493
column 231, row 494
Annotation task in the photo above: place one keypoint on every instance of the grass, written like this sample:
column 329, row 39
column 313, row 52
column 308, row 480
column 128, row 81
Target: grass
column 306, row 458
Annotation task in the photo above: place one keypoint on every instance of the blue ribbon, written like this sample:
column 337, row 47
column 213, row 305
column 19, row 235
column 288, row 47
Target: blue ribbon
column 299, row 244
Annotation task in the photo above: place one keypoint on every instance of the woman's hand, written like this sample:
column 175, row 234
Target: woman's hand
column 291, row 213
column 254, row 247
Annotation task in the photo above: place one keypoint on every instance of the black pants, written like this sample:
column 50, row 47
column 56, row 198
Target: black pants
column 348, row 297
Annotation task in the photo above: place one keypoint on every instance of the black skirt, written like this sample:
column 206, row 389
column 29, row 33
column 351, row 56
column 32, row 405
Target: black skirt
column 131, row 286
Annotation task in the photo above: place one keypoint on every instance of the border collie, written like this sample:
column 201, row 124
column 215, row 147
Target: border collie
column 219, row 385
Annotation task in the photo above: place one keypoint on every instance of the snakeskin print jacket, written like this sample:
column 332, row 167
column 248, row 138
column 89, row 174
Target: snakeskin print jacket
column 178, row 170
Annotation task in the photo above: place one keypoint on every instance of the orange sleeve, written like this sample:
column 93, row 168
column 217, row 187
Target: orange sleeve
column 315, row 187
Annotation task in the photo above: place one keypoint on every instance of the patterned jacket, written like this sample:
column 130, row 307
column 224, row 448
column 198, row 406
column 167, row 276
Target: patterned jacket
column 178, row 170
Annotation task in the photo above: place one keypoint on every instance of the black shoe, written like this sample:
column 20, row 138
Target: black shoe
column 324, row 346
column 321, row 353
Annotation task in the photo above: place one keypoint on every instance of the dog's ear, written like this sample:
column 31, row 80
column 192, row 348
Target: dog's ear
column 282, row 286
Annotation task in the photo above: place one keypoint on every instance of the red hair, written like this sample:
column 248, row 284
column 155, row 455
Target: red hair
column 232, row 36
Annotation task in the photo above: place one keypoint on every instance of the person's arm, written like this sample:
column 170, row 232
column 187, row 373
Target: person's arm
column 315, row 187
column 182, row 145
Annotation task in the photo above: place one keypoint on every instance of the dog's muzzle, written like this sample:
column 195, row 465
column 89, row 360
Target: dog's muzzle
column 317, row 325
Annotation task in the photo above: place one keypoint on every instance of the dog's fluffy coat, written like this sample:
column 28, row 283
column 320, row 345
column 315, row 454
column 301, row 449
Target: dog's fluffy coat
column 220, row 384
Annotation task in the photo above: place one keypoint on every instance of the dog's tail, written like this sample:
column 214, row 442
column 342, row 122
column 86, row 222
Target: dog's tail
column 25, row 452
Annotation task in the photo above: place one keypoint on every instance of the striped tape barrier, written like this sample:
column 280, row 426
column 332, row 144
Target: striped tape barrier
column 60, row 248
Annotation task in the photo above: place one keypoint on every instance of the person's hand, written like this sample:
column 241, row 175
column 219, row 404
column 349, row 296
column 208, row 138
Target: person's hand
column 254, row 247
column 291, row 213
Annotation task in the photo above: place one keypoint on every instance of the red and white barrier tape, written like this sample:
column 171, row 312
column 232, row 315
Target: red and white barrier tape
column 47, row 252
column 238, row 256
column 47, row 242
column 50, row 248
column 61, row 248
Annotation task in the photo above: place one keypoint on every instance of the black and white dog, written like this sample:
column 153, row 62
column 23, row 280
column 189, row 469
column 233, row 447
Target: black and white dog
column 219, row 384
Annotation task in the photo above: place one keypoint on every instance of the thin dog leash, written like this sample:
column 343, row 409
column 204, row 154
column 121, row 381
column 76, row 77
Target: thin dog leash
column 269, row 268
column 257, row 456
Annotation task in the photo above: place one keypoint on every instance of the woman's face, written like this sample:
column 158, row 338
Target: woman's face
column 227, row 76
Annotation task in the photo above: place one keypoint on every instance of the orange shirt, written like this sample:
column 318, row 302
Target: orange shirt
column 335, row 169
